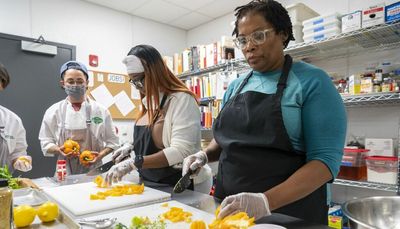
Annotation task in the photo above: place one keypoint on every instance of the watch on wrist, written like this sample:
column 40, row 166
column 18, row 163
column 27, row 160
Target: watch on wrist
column 139, row 161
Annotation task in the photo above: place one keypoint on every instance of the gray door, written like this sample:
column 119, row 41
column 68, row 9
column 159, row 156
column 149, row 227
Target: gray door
column 34, row 87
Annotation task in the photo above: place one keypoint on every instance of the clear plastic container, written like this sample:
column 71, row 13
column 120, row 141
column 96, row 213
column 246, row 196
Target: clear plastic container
column 382, row 169
column 321, row 34
column 354, row 157
column 299, row 12
column 323, row 26
column 353, row 164
column 321, row 19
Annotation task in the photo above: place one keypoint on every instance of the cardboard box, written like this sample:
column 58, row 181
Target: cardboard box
column 374, row 15
column 392, row 12
column 366, row 85
column 351, row 21
column 380, row 146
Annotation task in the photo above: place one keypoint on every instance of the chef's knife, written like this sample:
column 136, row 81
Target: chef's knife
column 183, row 183
column 103, row 168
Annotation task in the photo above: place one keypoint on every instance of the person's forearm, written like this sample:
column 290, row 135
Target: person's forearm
column 157, row 160
column 303, row 182
column 213, row 151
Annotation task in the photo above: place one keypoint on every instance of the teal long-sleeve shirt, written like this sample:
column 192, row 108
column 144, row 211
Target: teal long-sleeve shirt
column 312, row 109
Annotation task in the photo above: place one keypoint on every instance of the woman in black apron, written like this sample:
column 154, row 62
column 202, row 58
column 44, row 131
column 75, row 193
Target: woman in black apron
column 259, row 170
column 168, row 127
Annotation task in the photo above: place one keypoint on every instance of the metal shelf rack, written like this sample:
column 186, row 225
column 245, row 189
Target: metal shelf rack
column 374, row 99
column 380, row 37
column 370, row 185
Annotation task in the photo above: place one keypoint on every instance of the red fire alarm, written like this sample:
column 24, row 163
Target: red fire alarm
column 93, row 60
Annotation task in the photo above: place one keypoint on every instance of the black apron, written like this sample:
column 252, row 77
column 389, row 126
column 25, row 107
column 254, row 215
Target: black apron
column 144, row 145
column 256, row 150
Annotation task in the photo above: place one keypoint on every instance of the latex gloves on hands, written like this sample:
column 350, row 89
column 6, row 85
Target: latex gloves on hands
column 122, row 152
column 119, row 170
column 194, row 162
column 23, row 163
column 254, row 204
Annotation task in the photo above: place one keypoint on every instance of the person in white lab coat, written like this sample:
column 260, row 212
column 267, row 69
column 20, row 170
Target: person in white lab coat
column 168, row 128
column 13, row 144
column 78, row 118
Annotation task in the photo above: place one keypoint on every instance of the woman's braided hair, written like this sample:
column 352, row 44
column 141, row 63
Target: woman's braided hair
column 272, row 11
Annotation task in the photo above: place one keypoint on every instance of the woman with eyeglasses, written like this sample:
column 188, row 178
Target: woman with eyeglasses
column 280, row 134
column 168, row 127
column 13, row 144
column 77, row 118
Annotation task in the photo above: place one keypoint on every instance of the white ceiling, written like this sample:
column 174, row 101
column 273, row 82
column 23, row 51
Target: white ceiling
column 184, row 14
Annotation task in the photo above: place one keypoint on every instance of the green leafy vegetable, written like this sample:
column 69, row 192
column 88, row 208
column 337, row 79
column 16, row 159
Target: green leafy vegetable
column 138, row 222
column 5, row 174
column 120, row 226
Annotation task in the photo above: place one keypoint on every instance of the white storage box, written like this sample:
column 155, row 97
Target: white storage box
column 297, row 34
column 374, row 15
column 351, row 21
column 382, row 169
column 299, row 12
column 321, row 34
column 319, row 20
column 323, row 26
column 380, row 146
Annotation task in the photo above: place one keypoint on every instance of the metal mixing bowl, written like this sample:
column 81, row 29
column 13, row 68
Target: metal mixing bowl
column 373, row 212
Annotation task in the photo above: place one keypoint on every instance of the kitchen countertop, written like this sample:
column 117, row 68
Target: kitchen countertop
column 195, row 199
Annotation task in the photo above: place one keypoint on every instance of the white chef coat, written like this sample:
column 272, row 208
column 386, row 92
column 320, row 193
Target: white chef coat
column 14, row 134
column 102, row 126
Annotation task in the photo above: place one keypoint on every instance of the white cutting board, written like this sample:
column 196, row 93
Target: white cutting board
column 153, row 211
column 76, row 198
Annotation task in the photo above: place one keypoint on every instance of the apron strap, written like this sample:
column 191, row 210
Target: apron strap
column 284, row 76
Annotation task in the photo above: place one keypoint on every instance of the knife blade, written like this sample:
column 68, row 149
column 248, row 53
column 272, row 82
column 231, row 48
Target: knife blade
column 183, row 183
column 103, row 168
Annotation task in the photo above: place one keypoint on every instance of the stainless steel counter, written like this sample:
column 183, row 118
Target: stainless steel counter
column 195, row 199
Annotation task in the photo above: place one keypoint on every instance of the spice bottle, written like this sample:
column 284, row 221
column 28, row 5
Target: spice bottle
column 377, row 86
column 61, row 170
column 5, row 205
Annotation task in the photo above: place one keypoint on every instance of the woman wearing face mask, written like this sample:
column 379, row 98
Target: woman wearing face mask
column 12, row 135
column 168, row 127
column 77, row 118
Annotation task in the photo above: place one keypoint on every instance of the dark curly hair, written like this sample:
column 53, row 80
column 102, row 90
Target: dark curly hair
column 272, row 11
column 4, row 76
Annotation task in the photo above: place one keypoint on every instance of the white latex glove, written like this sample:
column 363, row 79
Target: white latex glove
column 254, row 204
column 195, row 162
column 23, row 163
column 122, row 152
column 119, row 170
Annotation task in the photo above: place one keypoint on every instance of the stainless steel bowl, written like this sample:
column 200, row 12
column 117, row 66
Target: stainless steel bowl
column 374, row 212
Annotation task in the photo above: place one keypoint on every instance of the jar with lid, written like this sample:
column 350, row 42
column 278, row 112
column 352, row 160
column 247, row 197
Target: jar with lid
column 376, row 86
column 5, row 205
column 386, row 85
column 378, row 74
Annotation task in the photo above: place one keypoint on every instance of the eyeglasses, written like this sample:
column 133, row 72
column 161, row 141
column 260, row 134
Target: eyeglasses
column 257, row 38
column 138, row 83
column 77, row 82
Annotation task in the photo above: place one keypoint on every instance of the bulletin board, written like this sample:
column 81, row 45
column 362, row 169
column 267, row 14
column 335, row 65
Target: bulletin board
column 115, row 92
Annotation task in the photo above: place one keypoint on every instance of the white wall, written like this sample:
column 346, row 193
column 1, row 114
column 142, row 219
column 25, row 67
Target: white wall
column 211, row 31
column 92, row 29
